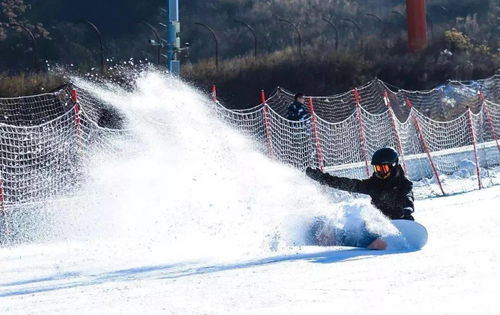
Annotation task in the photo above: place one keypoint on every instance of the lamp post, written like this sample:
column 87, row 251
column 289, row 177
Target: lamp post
column 431, row 26
column 297, row 30
column 36, row 60
column 399, row 14
column 99, row 36
column 335, row 28
column 173, row 41
column 158, row 43
column 252, row 30
column 216, row 41
column 379, row 19
column 358, row 27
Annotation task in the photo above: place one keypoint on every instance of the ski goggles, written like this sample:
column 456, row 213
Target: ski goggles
column 381, row 169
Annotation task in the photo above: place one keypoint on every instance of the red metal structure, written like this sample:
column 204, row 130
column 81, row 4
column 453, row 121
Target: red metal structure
column 417, row 25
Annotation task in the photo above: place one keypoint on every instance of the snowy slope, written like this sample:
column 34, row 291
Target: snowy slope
column 457, row 273
column 188, row 222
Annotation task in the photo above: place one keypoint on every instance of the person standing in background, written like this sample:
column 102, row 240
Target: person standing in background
column 297, row 110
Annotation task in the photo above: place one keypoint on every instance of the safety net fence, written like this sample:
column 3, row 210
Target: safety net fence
column 447, row 138
column 44, row 141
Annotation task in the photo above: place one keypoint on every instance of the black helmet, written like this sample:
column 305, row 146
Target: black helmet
column 383, row 161
column 385, row 156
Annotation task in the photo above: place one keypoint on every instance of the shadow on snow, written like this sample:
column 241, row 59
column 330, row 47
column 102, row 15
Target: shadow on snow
column 175, row 271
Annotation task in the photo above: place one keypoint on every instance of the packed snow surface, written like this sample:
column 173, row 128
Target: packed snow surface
column 189, row 218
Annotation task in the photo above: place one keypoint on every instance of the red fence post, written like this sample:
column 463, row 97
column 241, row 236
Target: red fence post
column 267, row 123
column 3, row 212
column 424, row 144
column 79, row 142
column 395, row 129
column 74, row 97
column 319, row 153
column 474, row 145
column 214, row 93
column 489, row 119
column 362, row 136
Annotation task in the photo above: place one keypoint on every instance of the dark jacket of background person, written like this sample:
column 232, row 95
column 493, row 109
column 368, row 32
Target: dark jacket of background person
column 392, row 196
column 297, row 112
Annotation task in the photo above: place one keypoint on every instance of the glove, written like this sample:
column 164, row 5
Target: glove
column 407, row 214
column 314, row 174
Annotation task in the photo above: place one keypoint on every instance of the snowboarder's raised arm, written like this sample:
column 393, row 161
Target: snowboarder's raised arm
column 341, row 183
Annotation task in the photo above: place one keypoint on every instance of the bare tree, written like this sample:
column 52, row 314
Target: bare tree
column 14, row 12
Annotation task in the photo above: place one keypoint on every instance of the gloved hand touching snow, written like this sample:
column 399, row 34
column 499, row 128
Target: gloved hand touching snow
column 407, row 214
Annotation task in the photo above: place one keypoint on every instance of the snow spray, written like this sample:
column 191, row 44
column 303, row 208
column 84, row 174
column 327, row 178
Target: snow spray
column 187, row 186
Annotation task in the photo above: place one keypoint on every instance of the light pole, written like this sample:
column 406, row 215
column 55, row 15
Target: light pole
column 36, row 60
column 398, row 23
column 379, row 20
column 399, row 14
column 158, row 43
column 173, row 40
column 216, row 40
column 252, row 30
column 297, row 30
column 431, row 26
column 99, row 36
column 330, row 22
column 358, row 27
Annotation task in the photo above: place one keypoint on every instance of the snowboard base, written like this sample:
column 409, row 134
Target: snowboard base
column 412, row 235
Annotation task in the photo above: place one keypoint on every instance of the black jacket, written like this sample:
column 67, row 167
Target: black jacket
column 297, row 112
column 393, row 196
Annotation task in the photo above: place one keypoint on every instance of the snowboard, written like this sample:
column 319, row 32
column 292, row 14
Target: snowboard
column 412, row 235
column 322, row 233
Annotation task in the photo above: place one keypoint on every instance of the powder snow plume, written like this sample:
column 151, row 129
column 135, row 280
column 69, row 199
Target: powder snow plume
column 187, row 186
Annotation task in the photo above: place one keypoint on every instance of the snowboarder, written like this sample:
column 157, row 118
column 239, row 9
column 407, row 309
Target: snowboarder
column 389, row 188
column 391, row 193
column 297, row 110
